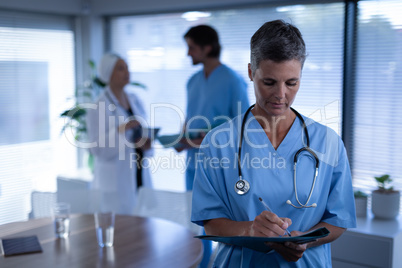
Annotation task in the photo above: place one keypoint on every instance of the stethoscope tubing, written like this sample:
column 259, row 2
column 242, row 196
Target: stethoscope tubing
column 242, row 186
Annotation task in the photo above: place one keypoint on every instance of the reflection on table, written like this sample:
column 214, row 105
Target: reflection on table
column 138, row 242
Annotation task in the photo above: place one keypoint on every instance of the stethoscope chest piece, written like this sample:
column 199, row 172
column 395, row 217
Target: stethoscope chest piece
column 242, row 186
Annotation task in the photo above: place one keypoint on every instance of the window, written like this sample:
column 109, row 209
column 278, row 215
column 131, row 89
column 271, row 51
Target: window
column 157, row 56
column 37, row 67
column 378, row 122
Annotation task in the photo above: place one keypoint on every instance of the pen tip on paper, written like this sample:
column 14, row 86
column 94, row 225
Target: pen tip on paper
column 260, row 198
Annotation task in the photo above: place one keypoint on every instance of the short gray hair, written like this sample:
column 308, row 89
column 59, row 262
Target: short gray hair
column 277, row 41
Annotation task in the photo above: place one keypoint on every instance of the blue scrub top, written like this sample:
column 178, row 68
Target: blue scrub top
column 210, row 102
column 270, row 174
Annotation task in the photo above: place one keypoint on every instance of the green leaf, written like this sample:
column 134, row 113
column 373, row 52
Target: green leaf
column 65, row 113
column 92, row 64
column 75, row 113
column 383, row 181
column 99, row 83
column 360, row 194
column 138, row 84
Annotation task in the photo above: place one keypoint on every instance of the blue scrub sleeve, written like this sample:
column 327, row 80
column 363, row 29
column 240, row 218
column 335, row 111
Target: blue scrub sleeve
column 340, row 209
column 240, row 101
column 208, row 201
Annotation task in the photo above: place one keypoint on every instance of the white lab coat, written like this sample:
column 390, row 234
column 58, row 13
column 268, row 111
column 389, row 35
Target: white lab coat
column 114, row 154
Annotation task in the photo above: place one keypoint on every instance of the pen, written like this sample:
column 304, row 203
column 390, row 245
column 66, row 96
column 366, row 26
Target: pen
column 270, row 210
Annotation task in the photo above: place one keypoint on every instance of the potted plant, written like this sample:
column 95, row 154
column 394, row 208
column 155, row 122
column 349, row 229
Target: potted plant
column 361, row 203
column 385, row 200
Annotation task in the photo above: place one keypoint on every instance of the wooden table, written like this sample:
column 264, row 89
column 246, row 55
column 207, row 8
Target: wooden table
column 138, row 242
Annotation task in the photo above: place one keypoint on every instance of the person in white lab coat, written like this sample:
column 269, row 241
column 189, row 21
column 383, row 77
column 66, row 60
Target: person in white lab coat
column 111, row 126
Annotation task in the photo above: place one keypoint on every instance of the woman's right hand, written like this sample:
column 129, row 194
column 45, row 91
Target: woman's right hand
column 269, row 224
column 187, row 143
column 128, row 125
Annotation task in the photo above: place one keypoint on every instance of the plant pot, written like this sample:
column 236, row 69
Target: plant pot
column 385, row 205
column 361, row 206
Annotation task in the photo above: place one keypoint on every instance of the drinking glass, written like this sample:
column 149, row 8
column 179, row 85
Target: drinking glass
column 104, row 226
column 61, row 215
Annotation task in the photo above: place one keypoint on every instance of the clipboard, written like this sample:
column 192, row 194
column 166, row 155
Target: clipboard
column 259, row 243
column 143, row 132
column 174, row 140
column 170, row 140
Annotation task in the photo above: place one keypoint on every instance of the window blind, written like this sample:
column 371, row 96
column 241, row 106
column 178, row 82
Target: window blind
column 156, row 52
column 37, row 67
column 378, row 121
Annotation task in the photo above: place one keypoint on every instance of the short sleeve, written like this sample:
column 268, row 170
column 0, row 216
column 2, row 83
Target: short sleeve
column 240, row 101
column 209, row 197
column 340, row 209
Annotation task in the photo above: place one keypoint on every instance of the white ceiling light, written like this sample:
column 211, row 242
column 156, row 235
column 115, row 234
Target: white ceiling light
column 195, row 15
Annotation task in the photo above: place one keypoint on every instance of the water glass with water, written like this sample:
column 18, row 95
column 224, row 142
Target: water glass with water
column 104, row 225
column 61, row 214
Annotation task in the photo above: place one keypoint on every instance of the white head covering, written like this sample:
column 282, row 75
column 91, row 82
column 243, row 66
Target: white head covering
column 106, row 66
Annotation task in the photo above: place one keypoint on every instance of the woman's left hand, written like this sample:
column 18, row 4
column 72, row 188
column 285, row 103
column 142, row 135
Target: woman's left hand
column 290, row 251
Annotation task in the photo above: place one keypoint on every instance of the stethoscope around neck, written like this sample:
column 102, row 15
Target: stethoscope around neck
column 242, row 186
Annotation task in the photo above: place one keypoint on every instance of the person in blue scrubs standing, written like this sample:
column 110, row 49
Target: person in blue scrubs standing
column 272, row 134
column 215, row 95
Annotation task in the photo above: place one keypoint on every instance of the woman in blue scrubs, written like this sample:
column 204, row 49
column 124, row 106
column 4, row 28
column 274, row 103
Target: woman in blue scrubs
column 271, row 137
